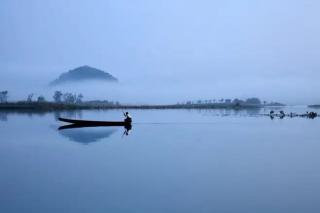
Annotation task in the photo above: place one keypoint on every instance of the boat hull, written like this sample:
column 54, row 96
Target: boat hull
column 95, row 123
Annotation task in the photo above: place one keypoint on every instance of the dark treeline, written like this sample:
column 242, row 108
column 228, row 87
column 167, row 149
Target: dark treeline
column 58, row 98
column 59, row 101
column 68, row 100
column 314, row 106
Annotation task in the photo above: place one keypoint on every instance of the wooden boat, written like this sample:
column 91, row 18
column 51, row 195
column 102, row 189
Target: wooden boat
column 95, row 123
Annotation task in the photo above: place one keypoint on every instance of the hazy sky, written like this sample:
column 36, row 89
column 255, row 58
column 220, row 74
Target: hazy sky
column 166, row 51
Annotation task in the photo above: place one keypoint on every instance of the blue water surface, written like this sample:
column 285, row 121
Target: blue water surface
column 171, row 161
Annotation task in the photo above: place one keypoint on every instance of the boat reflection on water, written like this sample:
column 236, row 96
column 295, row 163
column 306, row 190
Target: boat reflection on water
column 85, row 134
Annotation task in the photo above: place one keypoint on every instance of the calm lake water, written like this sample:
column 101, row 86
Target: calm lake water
column 172, row 161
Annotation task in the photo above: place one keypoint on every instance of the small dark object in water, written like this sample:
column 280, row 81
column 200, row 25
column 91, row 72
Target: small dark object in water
column 282, row 114
column 312, row 115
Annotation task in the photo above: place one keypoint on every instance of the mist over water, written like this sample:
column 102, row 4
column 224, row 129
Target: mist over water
column 169, row 92
column 164, row 52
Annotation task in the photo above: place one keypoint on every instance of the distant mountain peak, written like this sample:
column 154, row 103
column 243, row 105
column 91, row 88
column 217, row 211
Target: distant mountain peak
column 83, row 73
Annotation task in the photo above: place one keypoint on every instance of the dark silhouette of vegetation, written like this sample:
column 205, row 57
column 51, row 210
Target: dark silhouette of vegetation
column 255, row 101
column 3, row 96
column 75, row 101
column 67, row 98
column 61, row 101
column 57, row 97
column 79, row 98
column 70, row 98
column 314, row 106
column 41, row 99
column 29, row 98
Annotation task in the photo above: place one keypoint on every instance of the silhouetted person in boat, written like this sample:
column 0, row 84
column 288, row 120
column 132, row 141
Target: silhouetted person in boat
column 128, row 118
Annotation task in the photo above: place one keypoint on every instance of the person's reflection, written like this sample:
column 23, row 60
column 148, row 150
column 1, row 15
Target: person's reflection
column 127, row 130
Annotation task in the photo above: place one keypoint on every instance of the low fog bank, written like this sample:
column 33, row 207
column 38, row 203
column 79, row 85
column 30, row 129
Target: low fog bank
column 293, row 91
column 164, row 51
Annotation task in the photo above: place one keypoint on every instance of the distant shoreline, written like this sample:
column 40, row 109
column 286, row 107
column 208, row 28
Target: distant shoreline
column 314, row 106
column 52, row 106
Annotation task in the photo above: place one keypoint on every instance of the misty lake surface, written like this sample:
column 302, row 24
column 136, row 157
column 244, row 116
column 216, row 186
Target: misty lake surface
column 171, row 161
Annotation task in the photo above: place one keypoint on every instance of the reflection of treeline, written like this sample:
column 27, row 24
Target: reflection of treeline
column 253, row 102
